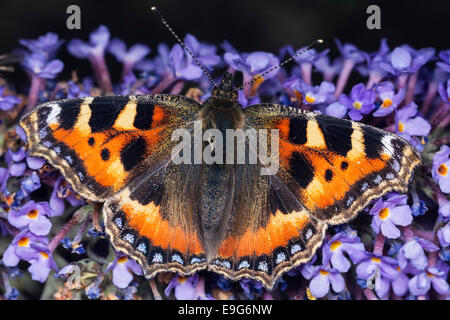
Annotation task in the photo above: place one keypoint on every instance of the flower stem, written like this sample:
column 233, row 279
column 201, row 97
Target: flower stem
column 369, row 294
column 33, row 95
column 343, row 77
column 431, row 93
column 101, row 72
column 379, row 245
column 401, row 80
column 410, row 89
column 62, row 233
column 164, row 83
column 374, row 78
column 156, row 294
column 306, row 72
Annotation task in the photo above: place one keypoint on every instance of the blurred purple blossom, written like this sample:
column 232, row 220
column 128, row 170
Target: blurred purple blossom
column 360, row 101
column 389, row 99
column 38, row 65
column 7, row 101
column 21, row 248
column 413, row 253
column 46, row 45
column 444, row 91
column 445, row 60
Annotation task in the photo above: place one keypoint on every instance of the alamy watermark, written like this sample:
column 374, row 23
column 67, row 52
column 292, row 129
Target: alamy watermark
column 239, row 143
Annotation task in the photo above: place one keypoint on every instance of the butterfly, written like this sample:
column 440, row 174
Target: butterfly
column 227, row 218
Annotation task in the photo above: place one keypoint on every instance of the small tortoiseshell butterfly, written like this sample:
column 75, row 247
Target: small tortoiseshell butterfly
column 227, row 218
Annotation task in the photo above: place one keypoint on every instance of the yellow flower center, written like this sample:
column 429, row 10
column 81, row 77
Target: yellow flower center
column 387, row 103
column 375, row 259
column 384, row 213
column 357, row 105
column 310, row 99
column 335, row 245
column 45, row 255
column 24, row 242
column 323, row 272
column 401, row 127
column 430, row 274
column 443, row 170
column 122, row 260
column 309, row 295
column 182, row 279
column 33, row 214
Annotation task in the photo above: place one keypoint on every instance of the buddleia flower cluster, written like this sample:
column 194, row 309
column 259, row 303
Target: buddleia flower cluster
column 53, row 245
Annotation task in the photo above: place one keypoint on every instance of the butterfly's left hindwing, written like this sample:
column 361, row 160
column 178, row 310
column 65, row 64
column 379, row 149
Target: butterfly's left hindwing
column 335, row 167
column 100, row 144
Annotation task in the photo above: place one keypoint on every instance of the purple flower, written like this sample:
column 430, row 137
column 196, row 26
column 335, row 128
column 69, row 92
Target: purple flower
column 444, row 91
column 371, row 68
column 334, row 249
column 408, row 124
column 444, row 235
column 38, row 65
column 46, row 45
column 413, row 252
column 42, row 262
column 389, row 99
column 361, row 101
column 400, row 282
column 16, row 167
column 306, row 60
column 398, row 62
column 329, row 69
column 419, row 57
column 21, row 249
column 186, row 288
column 314, row 95
column 122, row 271
column 61, row 191
column 444, row 206
column 350, row 52
column 440, row 168
column 422, row 282
column 7, row 101
column 128, row 57
column 119, row 50
column 336, row 109
column 387, row 214
column 445, row 63
column 379, row 268
column 321, row 279
column 33, row 216
column 252, row 65
column 98, row 41
column 182, row 64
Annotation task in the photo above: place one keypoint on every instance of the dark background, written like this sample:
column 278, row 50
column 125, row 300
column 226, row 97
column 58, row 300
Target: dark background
column 250, row 25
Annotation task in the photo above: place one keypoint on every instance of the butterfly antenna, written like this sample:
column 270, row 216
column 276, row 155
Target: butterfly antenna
column 312, row 45
column 155, row 11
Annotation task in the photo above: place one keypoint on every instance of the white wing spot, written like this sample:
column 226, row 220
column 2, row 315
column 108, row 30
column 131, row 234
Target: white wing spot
column 280, row 258
column 309, row 234
column 295, row 248
column 53, row 115
column 118, row 223
column 142, row 248
column 177, row 258
column 157, row 257
column 129, row 237
column 263, row 266
column 390, row 176
column 364, row 186
column 377, row 179
column 244, row 264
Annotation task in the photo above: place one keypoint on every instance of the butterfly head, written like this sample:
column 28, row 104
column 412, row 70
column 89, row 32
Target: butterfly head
column 224, row 91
